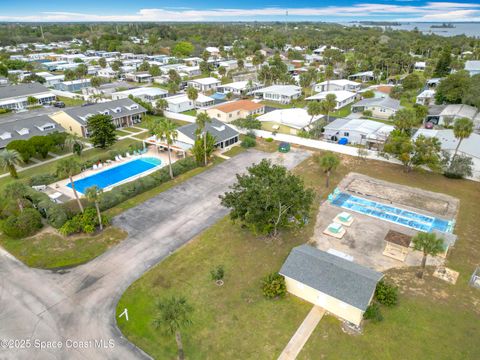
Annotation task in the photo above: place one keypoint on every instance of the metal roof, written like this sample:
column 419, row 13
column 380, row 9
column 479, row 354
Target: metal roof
column 216, row 128
column 29, row 89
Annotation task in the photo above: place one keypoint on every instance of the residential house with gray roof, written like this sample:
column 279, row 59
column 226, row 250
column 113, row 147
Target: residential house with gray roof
column 381, row 108
column 225, row 136
column 15, row 97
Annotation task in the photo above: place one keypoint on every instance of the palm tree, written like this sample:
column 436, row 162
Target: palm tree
column 16, row 191
column 429, row 244
column 329, row 104
column 67, row 168
column 9, row 159
column 201, row 121
column 328, row 162
column 74, row 143
column 174, row 314
column 161, row 105
column 462, row 129
column 328, row 75
column 93, row 194
column 314, row 108
column 167, row 131
column 192, row 94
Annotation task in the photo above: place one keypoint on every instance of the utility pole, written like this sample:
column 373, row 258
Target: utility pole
column 41, row 30
column 286, row 20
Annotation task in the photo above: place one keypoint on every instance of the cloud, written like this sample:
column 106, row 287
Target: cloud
column 431, row 11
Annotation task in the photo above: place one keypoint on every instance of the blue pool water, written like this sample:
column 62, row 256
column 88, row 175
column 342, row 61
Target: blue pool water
column 393, row 214
column 117, row 174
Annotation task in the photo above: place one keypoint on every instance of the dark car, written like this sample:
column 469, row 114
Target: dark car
column 59, row 104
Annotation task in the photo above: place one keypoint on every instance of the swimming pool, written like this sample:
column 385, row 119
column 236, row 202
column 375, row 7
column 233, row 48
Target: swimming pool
column 393, row 214
column 117, row 174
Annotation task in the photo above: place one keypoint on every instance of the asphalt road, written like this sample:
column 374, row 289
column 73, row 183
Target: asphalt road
column 76, row 308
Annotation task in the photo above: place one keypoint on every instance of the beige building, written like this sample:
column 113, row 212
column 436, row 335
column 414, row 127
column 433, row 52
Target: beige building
column 234, row 110
column 341, row 287
column 124, row 113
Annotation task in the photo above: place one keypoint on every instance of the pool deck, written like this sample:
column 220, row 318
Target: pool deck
column 61, row 186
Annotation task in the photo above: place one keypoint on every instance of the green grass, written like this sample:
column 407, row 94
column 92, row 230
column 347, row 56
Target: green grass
column 268, row 126
column 192, row 112
column 51, row 166
column 434, row 320
column 342, row 112
column 51, row 250
column 234, row 151
column 70, row 102
column 132, row 129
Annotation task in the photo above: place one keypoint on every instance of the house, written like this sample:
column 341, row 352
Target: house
column 180, row 103
column 473, row 67
column 239, row 88
column 73, row 85
column 234, row 110
column 50, row 79
column 381, row 108
column 12, row 128
column 204, row 84
column 320, row 50
column 214, row 51
column 468, row 147
column 107, row 72
column 426, row 97
column 432, row 83
column 364, row 76
column 140, row 77
column 229, row 65
column 225, row 136
column 15, row 97
column 279, row 93
column 124, row 113
column 295, row 118
column 358, row 132
column 342, row 97
column 420, row 66
column 192, row 61
column 336, row 85
column 447, row 114
column 150, row 94
column 342, row 287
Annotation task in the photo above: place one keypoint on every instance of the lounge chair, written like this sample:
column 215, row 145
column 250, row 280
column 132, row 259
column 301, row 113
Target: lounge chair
column 100, row 165
column 116, row 158
column 94, row 167
column 127, row 154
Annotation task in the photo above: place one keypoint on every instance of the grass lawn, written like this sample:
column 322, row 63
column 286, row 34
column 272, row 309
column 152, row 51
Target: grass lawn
column 192, row 112
column 234, row 151
column 342, row 112
column 51, row 166
column 51, row 250
column 121, row 133
column 132, row 129
column 70, row 102
column 434, row 320
column 268, row 126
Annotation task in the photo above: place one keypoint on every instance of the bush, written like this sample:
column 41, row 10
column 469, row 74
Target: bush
column 386, row 294
column 248, row 142
column 274, row 286
column 24, row 224
column 53, row 212
column 218, row 273
column 269, row 139
column 367, row 113
column 42, row 179
column 86, row 222
column 373, row 313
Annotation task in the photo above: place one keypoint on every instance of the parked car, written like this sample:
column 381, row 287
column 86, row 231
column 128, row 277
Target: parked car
column 59, row 104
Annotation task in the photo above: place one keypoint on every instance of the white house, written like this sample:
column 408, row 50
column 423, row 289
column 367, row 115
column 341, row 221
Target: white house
column 107, row 72
column 204, row 84
column 336, row 85
column 341, row 287
column 320, row 50
column 15, row 97
column 280, row 93
column 214, row 51
column 420, row 65
column 294, row 118
column 144, row 93
column 239, row 88
column 181, row 103
column 381, row 108
column 364, row 76
column 357, row 131
column 342, row 97
column 426, row 97
column 450, row 113
column 225, row 136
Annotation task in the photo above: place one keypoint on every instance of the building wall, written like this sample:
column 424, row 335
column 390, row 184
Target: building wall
column 68, row 123
column 180, row 107
column 332, row 305
column 380, row 112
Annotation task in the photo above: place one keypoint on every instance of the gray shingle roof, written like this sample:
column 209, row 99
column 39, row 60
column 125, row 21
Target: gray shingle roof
column 216, row 128
column 80, row 113
column 31, row 124
column 12, row 91
column 344, row 280
column 386, row 102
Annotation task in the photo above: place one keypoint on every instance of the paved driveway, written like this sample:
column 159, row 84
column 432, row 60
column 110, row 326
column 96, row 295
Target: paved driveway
column 79, row 304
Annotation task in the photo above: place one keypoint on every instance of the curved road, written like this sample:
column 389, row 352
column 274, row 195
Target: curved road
column 71, row 315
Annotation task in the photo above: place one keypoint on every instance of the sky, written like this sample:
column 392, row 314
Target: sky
column 241, row 10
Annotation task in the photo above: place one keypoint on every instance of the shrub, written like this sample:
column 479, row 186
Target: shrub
column 373, row 313
column 269, row 139
column 367, row 113
column 218, row 273
column 248, row 142
column 386, row 294
column 42, row 179
column 53, row 212
column 274, row 286
column 86, row 222
column 24, row 224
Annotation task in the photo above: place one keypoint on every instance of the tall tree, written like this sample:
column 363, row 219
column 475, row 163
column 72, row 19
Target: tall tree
column 9, row 159
column 314, row 108
column 68, row 168
column 201, row 121
column 192, row 94
column 269, row 198
column 92, row 194
column 101, row 130
column 443, row 67
column 428, row 244
column 161, row 105
column 329, row 104
column 328, row 162
column 328, row 75
column 166, row 130
column 16, row 191
column 462, row 129
column 174, row 314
